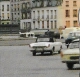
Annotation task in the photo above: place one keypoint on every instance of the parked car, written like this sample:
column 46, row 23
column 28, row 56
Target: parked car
column 71, row 55
column 27, row 34
column 72, row 36
column 45, row 43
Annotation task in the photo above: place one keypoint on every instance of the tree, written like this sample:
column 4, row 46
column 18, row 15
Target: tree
column 59, row 2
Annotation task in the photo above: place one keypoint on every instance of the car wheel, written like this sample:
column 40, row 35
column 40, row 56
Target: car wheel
column 60, row 49
column 53, row 49
column 42, row 53
column 70, row 65
column 34, row 53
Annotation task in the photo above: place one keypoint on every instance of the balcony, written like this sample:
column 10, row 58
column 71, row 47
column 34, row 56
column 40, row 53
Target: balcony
column 25, row 10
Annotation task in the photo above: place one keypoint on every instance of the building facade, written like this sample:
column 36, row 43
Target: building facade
column 69, row 12
column 5, row 12
column 15, row 11
column 39, row 14
column 25, row 22
column 45, row 18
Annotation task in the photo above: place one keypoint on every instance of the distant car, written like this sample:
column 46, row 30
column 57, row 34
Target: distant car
column 72, row 36
column 45, row 44
column 54, row 34
column 27, row 34
column 71, row 55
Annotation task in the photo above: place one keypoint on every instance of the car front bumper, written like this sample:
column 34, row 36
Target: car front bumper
column 40, row 50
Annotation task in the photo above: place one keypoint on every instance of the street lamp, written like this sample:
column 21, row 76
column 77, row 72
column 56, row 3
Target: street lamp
column 0, row 20
column 79, row 37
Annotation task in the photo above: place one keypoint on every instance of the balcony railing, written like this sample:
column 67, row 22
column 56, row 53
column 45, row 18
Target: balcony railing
column 25, row 10
column 49, row 3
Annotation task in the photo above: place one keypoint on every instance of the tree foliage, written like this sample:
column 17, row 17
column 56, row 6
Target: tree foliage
column 57, row 2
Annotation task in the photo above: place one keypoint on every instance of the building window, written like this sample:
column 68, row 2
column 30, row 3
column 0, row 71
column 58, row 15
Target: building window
column 15, row 7
column 67, row 3
column 47, row 24
column 7, row 22
column 2, row 7
column 42, row 14
column 34, row 24
column 38, row 24
column 74, row 3
column 75, row 23
column 24, row 16
column 33, row 14
column 51, row 24
column 55, row 23
column 55, row 14
column 18, row 7
column 67, row 23
column 75, row 13
column 38, row 14
column 18, row 13
column 8, row 15
column 67, row 13
column 7, row 7
column 51, row 14
column 3, row 15
column 47, row 14
column 42, row 24
column 12, row 16
column 23, row 5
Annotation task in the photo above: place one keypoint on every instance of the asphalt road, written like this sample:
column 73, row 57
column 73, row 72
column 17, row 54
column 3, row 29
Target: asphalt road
column 17, row 61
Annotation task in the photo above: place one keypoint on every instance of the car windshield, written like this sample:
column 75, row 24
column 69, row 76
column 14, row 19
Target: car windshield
column 74, row 44
column 76, row 34
column 71, row 35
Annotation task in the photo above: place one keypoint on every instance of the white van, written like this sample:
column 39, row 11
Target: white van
column 27, row 34
column 74, row 34
column 66, row 31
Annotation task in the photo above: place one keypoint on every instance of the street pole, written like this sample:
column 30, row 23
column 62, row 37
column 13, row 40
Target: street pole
column 79, row 37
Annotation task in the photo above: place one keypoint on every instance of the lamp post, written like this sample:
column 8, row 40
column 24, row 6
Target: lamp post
column 79, row 37
column 0, row 20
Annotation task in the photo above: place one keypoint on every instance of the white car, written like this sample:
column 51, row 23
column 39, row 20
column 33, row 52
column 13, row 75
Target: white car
column 71, row 55
column 45, row 44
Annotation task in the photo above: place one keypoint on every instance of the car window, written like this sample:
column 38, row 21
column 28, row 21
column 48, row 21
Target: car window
column 78, row 34
column 71, row 35
column 74, row 45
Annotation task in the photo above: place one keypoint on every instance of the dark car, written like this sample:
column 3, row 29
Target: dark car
column 53, row 34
